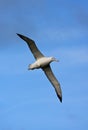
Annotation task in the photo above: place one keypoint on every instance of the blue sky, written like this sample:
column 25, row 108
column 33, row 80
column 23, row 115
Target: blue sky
column 27, row 99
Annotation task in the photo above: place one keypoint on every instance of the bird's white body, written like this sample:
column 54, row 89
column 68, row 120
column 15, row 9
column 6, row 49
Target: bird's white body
column 42, row 62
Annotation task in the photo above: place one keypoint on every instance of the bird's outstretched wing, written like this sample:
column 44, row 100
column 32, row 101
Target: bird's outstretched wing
column 31, row 44
column 53, row 81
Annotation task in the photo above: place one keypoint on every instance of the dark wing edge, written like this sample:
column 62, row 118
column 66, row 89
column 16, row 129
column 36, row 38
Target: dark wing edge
column 47, row 70
column 31, row 44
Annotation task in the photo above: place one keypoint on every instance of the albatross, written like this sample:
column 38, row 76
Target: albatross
column 43, row 63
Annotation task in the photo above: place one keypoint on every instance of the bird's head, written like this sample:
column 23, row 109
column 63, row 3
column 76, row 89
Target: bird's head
column 30, row 67
column 54, row 59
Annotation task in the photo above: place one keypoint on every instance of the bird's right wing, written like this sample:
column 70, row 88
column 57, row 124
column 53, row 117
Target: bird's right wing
column 31, row 44
column 53, row 81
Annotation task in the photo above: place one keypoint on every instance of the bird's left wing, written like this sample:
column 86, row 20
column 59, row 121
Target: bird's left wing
column 31, row 44
column 53, row 81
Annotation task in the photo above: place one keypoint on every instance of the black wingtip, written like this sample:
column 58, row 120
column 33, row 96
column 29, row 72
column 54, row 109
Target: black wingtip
column 23, row 37
column 19, row 35
column 60, row 99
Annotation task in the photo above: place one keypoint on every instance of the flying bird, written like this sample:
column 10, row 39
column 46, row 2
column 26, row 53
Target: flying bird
column 43, row 63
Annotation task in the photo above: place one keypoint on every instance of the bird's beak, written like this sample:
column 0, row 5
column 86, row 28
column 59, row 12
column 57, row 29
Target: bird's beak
column 56, row 60
column 29, row 67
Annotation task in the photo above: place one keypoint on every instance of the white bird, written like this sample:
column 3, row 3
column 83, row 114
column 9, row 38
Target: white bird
column 43, row 63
